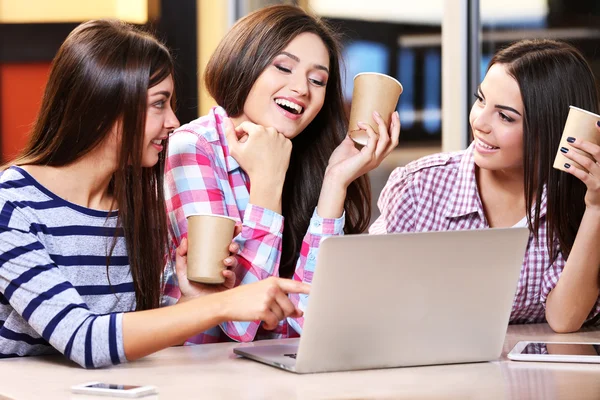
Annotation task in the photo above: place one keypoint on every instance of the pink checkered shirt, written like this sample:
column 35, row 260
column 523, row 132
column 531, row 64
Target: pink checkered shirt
column 439, row 193
column 201, row 177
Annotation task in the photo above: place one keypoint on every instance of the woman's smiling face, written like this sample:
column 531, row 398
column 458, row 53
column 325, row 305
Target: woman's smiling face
column 290, row 92
column 497, row 121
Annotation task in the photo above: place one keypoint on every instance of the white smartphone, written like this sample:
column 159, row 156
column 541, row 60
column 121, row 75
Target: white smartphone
column 556, row 352
column 109, row 389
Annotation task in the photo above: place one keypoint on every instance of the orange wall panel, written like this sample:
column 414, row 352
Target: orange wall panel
column 21, row 90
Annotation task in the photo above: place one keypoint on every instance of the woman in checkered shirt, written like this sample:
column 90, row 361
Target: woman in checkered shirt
column 274, row 154
column 505, row 178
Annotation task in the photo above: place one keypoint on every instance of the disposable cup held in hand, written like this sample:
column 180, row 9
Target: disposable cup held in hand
column 209, row 237
column 581, row 124
column 372, row 92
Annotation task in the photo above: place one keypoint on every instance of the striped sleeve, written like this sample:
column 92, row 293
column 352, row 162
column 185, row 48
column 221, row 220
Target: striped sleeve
column 36, row 289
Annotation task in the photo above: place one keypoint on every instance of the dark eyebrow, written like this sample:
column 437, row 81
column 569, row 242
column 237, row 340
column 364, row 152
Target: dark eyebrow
column 507, row 108
column 165, row 93
column 295, row 58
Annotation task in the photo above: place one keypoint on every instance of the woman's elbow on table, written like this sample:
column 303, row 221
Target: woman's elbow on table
column 86, row 361
column 564, row 324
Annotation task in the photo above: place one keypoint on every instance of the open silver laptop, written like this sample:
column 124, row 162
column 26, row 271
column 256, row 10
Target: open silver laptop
column 406, row 299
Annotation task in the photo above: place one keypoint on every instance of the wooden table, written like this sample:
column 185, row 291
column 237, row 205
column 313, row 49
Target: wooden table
column 214, row 372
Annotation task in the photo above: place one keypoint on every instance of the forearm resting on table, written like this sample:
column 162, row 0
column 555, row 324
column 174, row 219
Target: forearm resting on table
column 145, row 332
column 571, row 301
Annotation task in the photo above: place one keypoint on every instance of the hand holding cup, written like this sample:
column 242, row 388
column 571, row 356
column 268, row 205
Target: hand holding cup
column 581, row 124
column 190, row 289
column 373, row 92
column 580, row 155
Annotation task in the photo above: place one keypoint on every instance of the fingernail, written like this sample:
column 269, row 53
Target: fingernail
column 228, row 260
column 376, row 113
column 571, row 139
column 567, row 165
column 564, row 149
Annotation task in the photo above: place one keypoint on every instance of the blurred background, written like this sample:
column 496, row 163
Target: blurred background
column 438, row 50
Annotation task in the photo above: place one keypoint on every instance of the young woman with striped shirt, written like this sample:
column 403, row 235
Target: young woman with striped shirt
column 83, row 235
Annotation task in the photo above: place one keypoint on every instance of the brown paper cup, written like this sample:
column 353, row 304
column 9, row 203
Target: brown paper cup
column 581, row 124
column 209, row 237
column 372, row 92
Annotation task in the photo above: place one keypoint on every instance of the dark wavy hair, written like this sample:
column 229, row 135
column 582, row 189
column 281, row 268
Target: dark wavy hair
column 552, row 75
column 100, row 79
column 243, row 54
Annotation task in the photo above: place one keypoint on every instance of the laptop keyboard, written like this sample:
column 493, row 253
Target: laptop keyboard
column 291, row 355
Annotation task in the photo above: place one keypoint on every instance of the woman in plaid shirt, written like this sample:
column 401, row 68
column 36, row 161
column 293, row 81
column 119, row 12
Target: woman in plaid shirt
column 505, row 178
column 275, row 147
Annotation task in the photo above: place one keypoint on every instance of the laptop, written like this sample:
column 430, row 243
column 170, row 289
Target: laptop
column 405, row 299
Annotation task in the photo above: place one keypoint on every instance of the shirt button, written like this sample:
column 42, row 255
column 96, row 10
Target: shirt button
column 317, row 223
column 311, row 257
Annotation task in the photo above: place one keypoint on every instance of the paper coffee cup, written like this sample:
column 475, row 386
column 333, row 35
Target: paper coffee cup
column 372, row 92
column 581, row 124
column 209, row 237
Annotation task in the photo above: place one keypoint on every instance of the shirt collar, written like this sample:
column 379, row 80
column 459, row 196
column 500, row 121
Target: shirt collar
column 464, row 199
column 218, row 115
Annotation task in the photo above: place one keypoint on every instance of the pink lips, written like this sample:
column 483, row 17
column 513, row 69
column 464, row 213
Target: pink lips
column 293, row 100
column 159, row 147
column 286, row 113
column 484, row 150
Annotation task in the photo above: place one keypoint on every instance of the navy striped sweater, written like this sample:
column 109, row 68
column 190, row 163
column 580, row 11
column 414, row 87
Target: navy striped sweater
column 55, row 293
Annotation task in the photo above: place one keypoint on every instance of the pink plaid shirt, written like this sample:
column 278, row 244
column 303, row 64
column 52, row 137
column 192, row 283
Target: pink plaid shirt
column 201, row 177
column 439, row 193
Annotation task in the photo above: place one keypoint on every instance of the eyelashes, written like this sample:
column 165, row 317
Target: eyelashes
column 314, row 81
column 283, row 69
column 506, row 117
column 502, row 115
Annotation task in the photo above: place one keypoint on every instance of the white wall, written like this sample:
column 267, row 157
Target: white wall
column 426, row 11
column 422, row 11
column 31, row 11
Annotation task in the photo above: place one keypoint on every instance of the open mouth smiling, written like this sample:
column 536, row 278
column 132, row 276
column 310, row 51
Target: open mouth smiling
column 290, row 106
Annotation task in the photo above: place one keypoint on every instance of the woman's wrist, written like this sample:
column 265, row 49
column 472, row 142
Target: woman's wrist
column 266, row 194
column 592, row 212
column 331, row 199
column 212, row 305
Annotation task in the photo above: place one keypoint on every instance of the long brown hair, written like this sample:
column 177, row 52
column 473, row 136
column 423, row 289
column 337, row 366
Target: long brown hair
column 100, row 79
column 243, row 54
column 551, row 75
